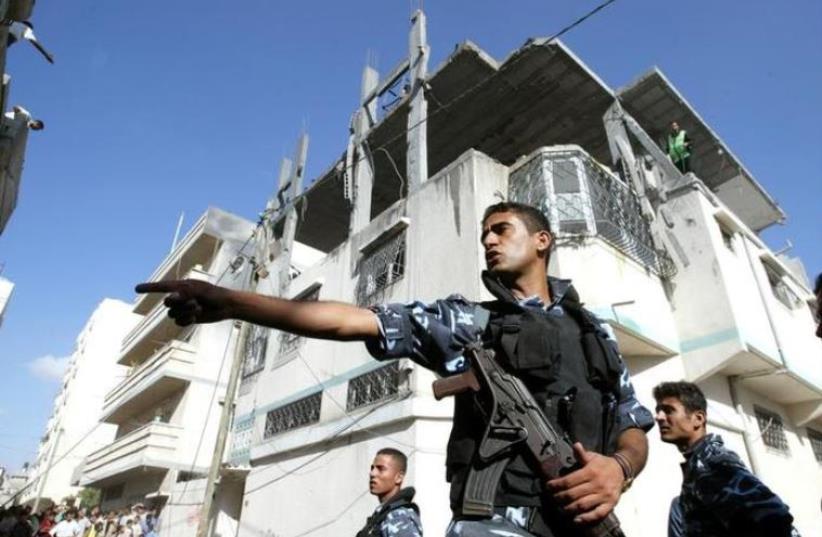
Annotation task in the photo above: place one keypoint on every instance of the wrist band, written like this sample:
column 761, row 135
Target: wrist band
column 625, row 464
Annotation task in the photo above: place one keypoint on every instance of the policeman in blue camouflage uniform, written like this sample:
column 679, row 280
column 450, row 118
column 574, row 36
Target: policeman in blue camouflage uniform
column 397, row 515
column 720, row 497
column 539, row 331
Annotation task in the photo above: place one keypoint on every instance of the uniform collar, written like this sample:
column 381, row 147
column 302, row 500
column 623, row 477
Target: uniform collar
column 561, row 290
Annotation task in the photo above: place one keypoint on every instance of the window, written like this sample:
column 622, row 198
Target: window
column 779, row 288
column 771, row 429
column 292, row 415
column 256, row 343
column 290, row 342
column 816, row 443
column 375, row 386
column 380, row 268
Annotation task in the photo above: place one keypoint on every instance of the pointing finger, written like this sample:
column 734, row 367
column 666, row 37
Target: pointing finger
column 169, row 286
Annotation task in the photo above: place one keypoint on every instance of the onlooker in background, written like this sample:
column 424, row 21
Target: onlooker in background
column 21, row 527
column 7, row 521
column 720, row 496
column 68, row 527
column 46, row 523
column 679, row 148
column 83, row 521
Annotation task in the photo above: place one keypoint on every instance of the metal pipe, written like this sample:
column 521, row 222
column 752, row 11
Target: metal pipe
column 747, row 438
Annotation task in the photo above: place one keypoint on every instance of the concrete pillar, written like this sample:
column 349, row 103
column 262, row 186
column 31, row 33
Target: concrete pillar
column 359, row 168
column 291, row 216
column 623, row 154
column 417, row 137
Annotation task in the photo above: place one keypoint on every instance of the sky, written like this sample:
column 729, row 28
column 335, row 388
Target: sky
column 153, row 109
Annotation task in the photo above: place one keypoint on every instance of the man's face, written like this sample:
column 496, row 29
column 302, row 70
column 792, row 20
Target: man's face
column 384, row 476
column 676, row 425
column 509, row 246
column 675, row 126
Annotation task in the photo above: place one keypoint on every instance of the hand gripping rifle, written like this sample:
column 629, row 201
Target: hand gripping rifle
column 513, row 419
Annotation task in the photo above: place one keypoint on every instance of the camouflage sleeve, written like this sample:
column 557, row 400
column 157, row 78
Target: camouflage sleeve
column 433, row 335
column 630, row 412
column 746, row 505
column 402, row 522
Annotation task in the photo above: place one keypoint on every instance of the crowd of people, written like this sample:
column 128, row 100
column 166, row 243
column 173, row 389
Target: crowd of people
column 68, row 521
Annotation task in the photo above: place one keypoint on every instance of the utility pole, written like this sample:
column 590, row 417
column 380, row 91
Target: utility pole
column 291, row 190
column 45, row 474
column 227, row 414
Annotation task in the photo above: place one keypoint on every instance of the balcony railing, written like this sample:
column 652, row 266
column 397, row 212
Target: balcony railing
column 152, row 445
column 166, row 370
column 581, row 198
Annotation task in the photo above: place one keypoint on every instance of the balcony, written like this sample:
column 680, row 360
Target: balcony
column 152, row 447
column 167, row 371
column 583, row 199
column 154, row 330
column 197, row 247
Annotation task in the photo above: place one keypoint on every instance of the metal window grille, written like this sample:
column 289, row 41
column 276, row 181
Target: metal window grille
column 771, row 429
column 375, row 386
column 380, row 269
column 581, row 198
column 241, row 439
column 816, row 443
column 256, row 343
column 780, row 290
column 290, row 342
column 301, row 412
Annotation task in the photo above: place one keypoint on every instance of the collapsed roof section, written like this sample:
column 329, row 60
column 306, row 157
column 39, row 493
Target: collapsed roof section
column 540, row 95
column 654, row 102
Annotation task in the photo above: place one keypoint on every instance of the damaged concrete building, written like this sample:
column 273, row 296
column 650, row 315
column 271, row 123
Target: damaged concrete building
column 673, row 262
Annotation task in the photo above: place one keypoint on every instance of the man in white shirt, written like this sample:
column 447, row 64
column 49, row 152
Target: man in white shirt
column 68, row 527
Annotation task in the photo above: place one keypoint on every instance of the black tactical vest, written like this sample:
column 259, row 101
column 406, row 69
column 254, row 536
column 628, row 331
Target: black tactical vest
column 571, row 370
column 402, row 499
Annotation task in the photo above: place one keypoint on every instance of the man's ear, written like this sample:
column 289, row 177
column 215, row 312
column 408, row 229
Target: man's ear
column 700, row 419
column 544, row 241
column 399, row 478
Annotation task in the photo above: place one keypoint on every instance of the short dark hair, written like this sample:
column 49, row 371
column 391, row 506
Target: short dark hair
column 688, row 394
column 397, row 455
column 534, row 219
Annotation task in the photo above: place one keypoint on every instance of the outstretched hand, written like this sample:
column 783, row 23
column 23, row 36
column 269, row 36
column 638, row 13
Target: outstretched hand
column 591, row 492
column 191, row 301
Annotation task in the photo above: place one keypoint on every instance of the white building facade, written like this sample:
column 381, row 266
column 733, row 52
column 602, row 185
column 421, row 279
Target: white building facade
column 73, row 431
column 673, row 262
column 166, row 409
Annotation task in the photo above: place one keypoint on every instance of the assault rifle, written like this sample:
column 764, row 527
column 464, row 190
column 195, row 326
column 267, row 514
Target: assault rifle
column 514, row 419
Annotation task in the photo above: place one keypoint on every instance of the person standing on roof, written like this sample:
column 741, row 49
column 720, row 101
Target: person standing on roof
column 679, row 148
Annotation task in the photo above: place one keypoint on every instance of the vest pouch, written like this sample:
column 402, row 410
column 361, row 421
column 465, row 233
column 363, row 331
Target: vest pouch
column 584, row 419
column 537, row 349
column 602, row 361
